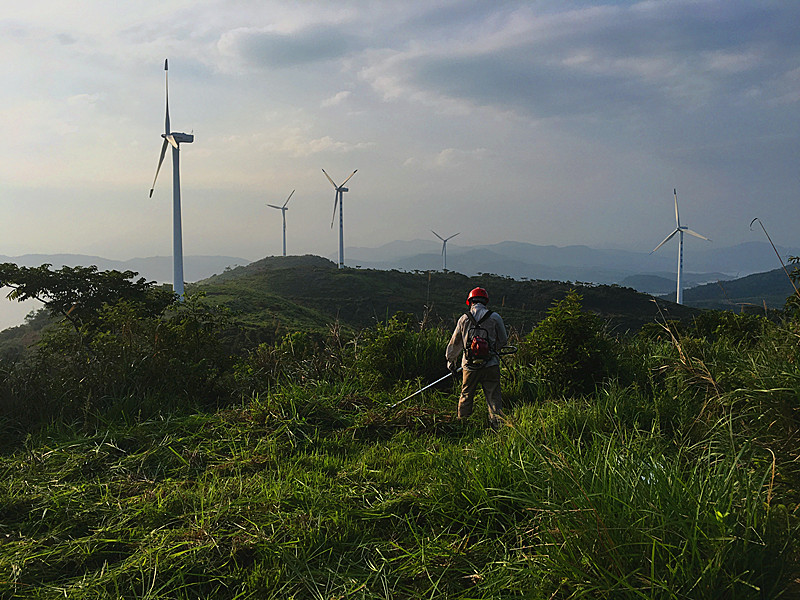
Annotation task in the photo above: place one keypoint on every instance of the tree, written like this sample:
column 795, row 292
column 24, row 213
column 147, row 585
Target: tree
column 79, row 293
column 570, row 349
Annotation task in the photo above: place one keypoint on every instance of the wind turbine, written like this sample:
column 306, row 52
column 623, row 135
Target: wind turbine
column 340, row 190
column 444, row 247
column 283, row 210
column 174, row 139
column 680, row 229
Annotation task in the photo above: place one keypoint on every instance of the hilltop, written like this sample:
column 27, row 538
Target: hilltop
column 142, row 454
column 276, row 295
column 310, row 292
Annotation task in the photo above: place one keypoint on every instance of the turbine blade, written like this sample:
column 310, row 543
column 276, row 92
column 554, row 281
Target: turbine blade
column 335, row 204
column 158, row 168
column 336, row 187
column 273, row 206
column 444, row 245
column 437, row 235
column 452, row 236
column 289, row 198
column 166, row 87
column 171, row 140
column 666, row 239
column 348, row 179
column 677, row 218
column 695, row 234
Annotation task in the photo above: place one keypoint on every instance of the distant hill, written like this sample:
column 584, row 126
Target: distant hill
column 153, row 268
column 651, row 284
column 309, row 292
column 574, row 263
column 706, row 267
column 771, row 288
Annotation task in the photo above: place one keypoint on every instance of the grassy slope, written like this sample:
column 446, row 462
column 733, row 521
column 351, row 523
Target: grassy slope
column 310, row 292
column 324, row 493
column 323, row 490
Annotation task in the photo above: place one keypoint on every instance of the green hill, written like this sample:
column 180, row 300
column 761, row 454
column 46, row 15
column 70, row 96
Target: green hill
column 311, row 293
column 771, row 288
column 276, row 295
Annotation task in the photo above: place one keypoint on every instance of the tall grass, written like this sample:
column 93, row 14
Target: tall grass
column 675, row 477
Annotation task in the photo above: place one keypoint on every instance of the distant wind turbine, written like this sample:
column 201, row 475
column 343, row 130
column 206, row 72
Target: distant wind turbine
column 283, row 210
column 680, row 229
column 340, row 190
column 174, row 139
column 444, row 247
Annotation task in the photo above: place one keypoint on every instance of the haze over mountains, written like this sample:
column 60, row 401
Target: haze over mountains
column 650, row 273
column 653, row 273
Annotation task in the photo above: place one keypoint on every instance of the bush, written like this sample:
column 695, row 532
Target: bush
column 393, row 352
column 570, row 351
column 297, row 358
column 153, row 362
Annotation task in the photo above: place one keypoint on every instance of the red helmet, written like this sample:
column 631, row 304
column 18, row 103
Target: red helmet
column 477, row 293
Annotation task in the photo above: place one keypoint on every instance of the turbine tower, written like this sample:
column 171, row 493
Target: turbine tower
column 680, row 229
column 174, row 139
column 283, row 210
column 444, row 247
column 340, row 190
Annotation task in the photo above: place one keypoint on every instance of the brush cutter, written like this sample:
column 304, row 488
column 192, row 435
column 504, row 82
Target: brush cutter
column 504, row 351
column 430, row 385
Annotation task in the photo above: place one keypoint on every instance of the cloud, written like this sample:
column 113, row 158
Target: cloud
column 299, row 146
column 81, row 100
column 607, row 59
column 448, row 158
column 336, row 99
column 266, row 48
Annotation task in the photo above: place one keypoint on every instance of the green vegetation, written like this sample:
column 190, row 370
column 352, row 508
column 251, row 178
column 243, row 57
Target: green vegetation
column 309, row 293
column 183, row 453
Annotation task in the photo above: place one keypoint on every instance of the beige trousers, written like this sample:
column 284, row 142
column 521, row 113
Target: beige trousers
column 489, row 379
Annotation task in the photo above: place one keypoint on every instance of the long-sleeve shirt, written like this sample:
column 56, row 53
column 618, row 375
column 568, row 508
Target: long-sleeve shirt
column 495, row 332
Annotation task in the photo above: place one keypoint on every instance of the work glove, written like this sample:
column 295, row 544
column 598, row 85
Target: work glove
column 452, row 368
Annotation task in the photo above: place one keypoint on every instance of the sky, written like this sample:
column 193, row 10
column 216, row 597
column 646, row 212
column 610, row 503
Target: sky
column 548, row 122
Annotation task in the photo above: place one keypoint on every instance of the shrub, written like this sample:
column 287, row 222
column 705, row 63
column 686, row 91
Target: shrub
column 155, row 362
column 571, row 351
column 393, row 352
column 299, row 357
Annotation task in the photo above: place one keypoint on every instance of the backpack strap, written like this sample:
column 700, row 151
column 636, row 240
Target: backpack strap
column 485, row 316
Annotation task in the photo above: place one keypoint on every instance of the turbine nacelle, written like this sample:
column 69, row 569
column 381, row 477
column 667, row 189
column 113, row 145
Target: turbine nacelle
column 178, row 138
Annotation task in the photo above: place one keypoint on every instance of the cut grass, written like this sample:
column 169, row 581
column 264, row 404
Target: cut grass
column 303, row 494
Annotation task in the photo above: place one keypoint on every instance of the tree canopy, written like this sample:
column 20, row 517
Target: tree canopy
column 78, row 293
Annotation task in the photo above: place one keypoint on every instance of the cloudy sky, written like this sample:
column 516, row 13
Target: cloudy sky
column 549, row 122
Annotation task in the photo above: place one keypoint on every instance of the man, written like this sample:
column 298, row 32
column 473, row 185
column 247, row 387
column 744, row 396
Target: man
column 476, row 330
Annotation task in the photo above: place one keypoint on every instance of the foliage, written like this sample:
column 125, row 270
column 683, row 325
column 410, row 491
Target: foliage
column 394, row 351
column 315, row 491
column 298, row 357
column 793, row 302
column 128, row 361
column 80, row 293
column 570, row 350
column 665, row 468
